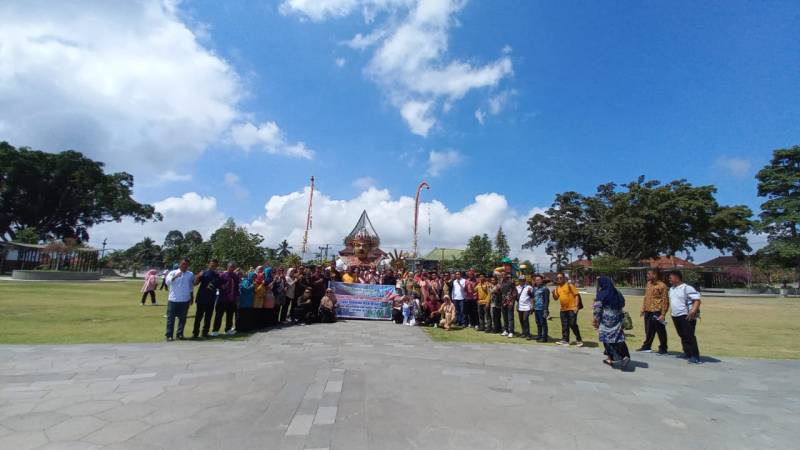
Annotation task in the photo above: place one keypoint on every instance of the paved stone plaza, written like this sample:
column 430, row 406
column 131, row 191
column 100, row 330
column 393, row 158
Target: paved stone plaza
column 357, row 384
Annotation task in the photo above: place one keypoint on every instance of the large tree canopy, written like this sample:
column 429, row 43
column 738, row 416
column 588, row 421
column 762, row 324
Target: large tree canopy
column 61, row 195
column 779, row 182
column 639, row 220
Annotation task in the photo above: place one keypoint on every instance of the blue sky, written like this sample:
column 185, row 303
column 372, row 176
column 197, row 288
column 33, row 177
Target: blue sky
column 570, row 95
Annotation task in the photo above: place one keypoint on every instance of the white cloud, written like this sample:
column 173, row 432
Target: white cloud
column 111, row 79
column 128, row 83
column 498, row 102
column 364, row 183
column 268, row 137
column 410, row 61
column 480, row 115
column 168, row 176
column 418, row 116
column 736, row 167
column 190, row 211
column 232, row 181
column 440, row 160
column 340, row 62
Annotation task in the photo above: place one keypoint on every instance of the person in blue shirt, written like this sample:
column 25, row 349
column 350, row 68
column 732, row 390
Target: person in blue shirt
column 206, row 296
column 180, row 284
column 541, row 308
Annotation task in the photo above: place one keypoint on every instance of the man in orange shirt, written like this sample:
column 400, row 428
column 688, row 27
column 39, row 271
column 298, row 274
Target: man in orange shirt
column 567, row 295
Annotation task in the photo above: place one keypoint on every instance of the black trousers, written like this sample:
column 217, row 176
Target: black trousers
column 164, row 286
column 508, row 319
column 569, row 321
column 496, row 323
column 541, row 324
column 484, row 317
column 685, row 329
column 202, row 313
column 284, row 312
column 653, row 327
column 471, row 311
column 525, row 322
column 326, row 316
column 227, row 308
column 152, row 296
column 397, row 316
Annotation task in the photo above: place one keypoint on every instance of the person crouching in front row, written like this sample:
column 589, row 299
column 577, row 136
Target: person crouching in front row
column 304, row 314
column 327, row 307
column 447, row 312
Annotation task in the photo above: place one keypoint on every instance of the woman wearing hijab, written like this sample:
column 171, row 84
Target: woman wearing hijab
column 149, row 287
column 291, row 292
column 608, row 318
column 246, row 311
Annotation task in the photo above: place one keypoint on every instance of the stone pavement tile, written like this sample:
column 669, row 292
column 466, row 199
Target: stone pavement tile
column 74, row 429
column 351, row 438
column 326, row 415
column 169, row 434
column 23, row 441
column 34, row 421
column 126, row 412
column 89, row 407
column 116, row 432
column 69, row 445
column 300, row 425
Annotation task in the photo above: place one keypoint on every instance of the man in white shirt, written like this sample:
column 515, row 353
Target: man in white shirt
column 684, row 301
column 524, row 306
column 459, row 285
column 180, row 284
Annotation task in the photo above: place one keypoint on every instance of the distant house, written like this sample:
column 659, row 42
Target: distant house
column 18, row 256
column 727, row 261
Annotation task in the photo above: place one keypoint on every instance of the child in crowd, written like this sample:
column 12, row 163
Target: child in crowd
column 408, row 311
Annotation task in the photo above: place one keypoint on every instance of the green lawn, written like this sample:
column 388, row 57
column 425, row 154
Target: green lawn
column 38, row 313
column 747, row 327
column 72, row 313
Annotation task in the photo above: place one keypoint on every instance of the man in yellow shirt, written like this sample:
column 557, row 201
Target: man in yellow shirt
column 567, row 295
column 483, row 291
column 350, row 276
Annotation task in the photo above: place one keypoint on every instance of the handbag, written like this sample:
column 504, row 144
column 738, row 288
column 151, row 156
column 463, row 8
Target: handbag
column 627, row 322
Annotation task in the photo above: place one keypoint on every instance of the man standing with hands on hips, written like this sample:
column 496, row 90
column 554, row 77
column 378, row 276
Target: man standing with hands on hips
column 180, row 284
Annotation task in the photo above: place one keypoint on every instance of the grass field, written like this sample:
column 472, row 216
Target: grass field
column 39, row 313
column 72, row 313
column 746, row 327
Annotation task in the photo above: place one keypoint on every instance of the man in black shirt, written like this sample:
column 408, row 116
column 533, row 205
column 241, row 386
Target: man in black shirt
column 205, row 298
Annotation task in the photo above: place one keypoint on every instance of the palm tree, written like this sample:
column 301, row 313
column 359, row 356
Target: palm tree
column 284, row 249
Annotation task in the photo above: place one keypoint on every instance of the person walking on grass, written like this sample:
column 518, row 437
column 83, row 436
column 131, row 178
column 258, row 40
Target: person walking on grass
column 208, row 282
column 685, row 301
column 654, row 310
column 608, row 317
column 228, row 298
column 568, row 297
column 149, row 287
column 180, row 284
column 541, row 307
column 524, row 307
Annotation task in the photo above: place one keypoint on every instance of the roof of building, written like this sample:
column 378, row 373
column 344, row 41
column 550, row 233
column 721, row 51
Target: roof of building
column 726, row 261
column 441, row 254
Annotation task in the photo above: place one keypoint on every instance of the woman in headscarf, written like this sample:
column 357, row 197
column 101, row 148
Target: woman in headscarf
column 608, row 319
column 447, row 312
column 246, row 314
column 149, row 287
column 259, row 295
column 327, row 307
column 291, row 292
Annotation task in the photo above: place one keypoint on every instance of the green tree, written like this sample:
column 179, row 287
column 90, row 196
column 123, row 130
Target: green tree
column 640, row 220
column 284, row 249
column 62, row 195
column 144, row 254
column 478, row 255
column 501, row 247
column 609, row 265
column 174, row 247
column 779, row 182
column 235, row 244
column 27, row 236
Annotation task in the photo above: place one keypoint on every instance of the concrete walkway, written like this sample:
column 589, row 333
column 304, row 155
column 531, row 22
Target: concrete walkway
column 358, row 385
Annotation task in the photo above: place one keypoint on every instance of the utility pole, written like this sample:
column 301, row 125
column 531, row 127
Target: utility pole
column 103, row 251
column 324, row 251
column 308, row 217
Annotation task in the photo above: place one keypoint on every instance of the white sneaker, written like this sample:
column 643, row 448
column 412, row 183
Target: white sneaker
column 511, row 335
column 476, row 327
column 504, row 333
column 231, row 332
column 579, row 344
column 214, row 333
column 562, row 343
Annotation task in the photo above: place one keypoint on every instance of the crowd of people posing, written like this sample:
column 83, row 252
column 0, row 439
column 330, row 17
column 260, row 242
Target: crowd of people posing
column 490, row 303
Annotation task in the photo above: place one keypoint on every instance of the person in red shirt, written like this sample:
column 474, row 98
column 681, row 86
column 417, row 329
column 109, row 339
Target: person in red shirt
column 470, row 300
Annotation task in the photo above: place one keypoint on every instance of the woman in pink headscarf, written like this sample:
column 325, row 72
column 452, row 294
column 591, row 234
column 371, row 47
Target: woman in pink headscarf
column 149, row 287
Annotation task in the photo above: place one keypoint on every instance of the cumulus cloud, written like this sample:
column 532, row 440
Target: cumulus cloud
column 190, row 211
column 129, row 83
column 233, row 182
column 168, row 176
column 736, row 167
column 440, row 160
column 410, row 59
column 268, row 137
column 480, row 116
column 364, row 183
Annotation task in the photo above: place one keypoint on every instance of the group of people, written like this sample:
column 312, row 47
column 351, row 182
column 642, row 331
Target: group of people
column 490, row 303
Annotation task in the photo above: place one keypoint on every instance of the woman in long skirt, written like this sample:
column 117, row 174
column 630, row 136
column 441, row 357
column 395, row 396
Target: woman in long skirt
column 608, row 319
